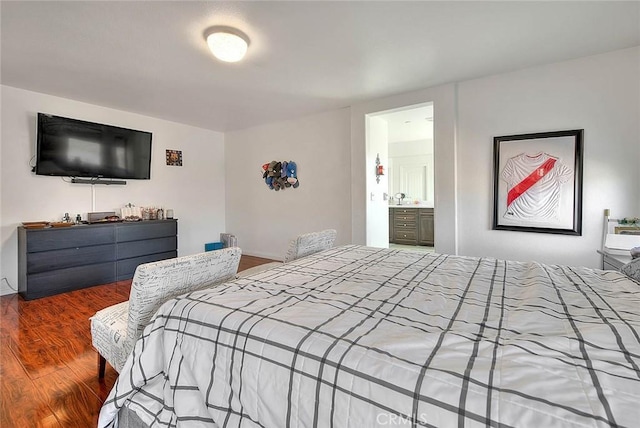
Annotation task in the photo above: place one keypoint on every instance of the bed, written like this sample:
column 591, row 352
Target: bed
column 357, row 336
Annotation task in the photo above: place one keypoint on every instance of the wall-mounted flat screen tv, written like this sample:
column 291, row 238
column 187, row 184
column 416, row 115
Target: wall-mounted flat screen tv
column 75, row 148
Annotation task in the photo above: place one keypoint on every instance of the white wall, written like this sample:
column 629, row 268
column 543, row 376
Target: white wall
column 264, row 220
column 600, row 94
column 443, row 98
column 417, row 153
column 411, row 148
column 377, row 187
column 195, row 191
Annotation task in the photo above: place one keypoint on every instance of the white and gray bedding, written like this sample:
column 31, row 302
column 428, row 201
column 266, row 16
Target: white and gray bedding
column 362, row 337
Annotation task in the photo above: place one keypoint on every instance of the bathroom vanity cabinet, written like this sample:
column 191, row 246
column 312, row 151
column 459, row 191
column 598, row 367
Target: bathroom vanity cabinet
column 411, row 226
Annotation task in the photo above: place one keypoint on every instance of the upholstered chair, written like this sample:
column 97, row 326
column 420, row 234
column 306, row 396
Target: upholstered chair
column 310, row 243
column 301, row 246
column 114, row 330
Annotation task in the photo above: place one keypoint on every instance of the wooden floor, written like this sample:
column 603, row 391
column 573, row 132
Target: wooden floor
column 48, row 368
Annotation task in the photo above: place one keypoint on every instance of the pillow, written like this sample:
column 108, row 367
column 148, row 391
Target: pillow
column 632, row 269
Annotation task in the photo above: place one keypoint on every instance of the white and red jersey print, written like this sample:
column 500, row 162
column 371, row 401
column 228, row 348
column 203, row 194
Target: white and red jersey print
column 534, row 186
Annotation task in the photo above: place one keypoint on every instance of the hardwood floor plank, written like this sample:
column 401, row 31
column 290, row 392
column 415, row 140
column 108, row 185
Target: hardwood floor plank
column 17, row 387
column 8, row 313
column 38, row 358
column 48, row 367
column 72, row 402
column 247, row 262
column 11, row 371
column 85, row 370
column 29, row 414
column 69, row 339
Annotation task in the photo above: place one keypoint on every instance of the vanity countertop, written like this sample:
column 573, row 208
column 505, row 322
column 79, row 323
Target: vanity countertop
column 410, row 206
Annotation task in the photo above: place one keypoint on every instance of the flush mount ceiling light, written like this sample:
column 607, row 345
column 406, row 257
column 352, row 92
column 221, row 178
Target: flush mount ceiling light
column 227, row 43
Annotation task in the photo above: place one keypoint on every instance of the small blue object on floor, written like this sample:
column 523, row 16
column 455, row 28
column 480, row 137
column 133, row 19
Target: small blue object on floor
column 213, row 246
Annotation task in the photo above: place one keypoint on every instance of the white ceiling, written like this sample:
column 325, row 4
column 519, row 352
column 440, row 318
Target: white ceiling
column 409, row 124
column 304, row 57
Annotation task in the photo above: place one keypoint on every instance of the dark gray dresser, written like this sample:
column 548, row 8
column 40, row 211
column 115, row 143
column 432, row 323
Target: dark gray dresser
column 55, row 260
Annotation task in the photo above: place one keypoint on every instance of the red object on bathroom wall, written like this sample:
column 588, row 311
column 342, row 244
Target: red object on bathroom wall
column 379, row 168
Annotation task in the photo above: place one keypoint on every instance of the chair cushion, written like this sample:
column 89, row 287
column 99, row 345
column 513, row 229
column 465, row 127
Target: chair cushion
column 310, row 243
column 109, row 334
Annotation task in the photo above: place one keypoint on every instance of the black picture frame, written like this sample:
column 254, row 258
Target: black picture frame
column 174, row 157
column 538, row 182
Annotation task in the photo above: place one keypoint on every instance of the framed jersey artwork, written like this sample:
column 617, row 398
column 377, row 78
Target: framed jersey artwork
column 538, row 182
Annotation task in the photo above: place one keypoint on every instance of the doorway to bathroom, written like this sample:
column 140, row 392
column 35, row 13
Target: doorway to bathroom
column 403, row 139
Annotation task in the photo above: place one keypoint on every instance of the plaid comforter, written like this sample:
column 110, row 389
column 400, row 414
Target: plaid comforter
column 363, row 337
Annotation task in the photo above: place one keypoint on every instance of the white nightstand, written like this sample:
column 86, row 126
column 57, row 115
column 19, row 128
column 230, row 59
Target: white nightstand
column 612, row 261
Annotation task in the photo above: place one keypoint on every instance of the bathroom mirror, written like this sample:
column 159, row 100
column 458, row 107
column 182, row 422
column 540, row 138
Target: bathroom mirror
column 411, row 172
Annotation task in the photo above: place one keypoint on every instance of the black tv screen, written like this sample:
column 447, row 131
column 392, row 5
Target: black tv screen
column 75, row 148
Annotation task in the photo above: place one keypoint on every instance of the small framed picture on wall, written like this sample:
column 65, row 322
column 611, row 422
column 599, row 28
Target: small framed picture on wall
column 174, row 157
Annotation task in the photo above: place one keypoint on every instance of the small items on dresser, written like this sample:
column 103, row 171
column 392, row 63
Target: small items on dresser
column 35, row 224
column 61, row 224
column 100, row 217
column 149, row 213
column 131, row 213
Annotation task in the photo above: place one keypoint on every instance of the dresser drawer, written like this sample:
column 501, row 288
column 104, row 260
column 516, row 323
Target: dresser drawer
column 406, row 235
column 126, row 268
column 405, row 224
column 405, row 214
column 61, row 280
column 69, row 257
column 145, row 230
column 127, row 250
column 70, row 237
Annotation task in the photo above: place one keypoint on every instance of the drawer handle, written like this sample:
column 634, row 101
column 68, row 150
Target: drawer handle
column 405, row 236
column 405, row 224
